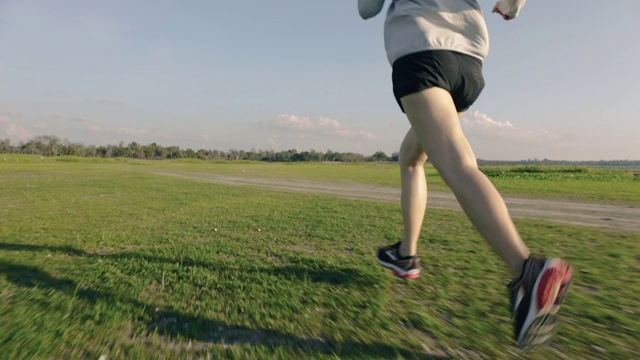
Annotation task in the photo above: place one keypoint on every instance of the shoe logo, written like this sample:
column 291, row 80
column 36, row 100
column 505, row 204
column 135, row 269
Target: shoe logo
column 390, row 253
column 519, row 297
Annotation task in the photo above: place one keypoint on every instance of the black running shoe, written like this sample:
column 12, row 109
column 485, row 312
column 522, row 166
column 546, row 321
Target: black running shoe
column 407, row 267
column 536, row 299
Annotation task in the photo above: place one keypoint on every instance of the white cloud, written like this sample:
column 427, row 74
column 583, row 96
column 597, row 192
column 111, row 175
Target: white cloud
column 132, row 131
column 480, row 120
column 303, row 126
column 96, row 128
column 12, row 130
column 480, row 124
column 16, row 131
column 157, row 134
column 364, row 135
column 40, row 126
column 79, row 118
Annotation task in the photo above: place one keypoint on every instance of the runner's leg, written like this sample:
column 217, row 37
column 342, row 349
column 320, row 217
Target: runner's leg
column 436, row 123
column 414, row 191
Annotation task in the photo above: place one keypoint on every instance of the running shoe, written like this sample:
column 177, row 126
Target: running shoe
column 536, row 299
column 407, row 267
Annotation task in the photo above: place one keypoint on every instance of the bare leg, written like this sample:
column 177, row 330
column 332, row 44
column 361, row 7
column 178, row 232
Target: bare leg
column 434, row 120
column 414, row 191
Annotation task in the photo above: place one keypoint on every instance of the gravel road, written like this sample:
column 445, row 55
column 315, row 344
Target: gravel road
column 593, row 214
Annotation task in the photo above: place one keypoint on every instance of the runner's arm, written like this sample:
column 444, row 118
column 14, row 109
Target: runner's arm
column 509, row 9
column 369, row 8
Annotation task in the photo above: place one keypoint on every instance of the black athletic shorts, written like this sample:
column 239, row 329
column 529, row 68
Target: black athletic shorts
column 459, row 74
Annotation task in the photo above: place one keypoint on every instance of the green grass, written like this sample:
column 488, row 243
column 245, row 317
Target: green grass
column 559, row 182
column 586, row 184
column 107, row 259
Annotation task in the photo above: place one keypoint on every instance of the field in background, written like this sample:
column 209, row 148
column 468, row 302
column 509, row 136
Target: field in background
column 562, row 182
column 104, row 258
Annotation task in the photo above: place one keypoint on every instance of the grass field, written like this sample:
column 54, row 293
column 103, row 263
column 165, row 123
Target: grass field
column 104, row 258
column 579, row 183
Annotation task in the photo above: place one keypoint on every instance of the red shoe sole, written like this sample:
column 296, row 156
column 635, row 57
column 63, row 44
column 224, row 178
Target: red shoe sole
column 407, row 276
column 551, row 288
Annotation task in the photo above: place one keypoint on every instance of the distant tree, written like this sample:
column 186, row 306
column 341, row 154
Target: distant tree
column 174, row 152
column 330, row 156
column 120, row 150
column 267, row 155
column 5, row 146
column 148, row 150
column 189, row 154
column 234, row 154
column 351, row 157
column 253, row 155
column 202, row 154
column 218, row 155
column 134, row 150
column 380, row 156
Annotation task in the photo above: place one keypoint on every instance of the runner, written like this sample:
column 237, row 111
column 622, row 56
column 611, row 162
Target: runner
column 436, row 49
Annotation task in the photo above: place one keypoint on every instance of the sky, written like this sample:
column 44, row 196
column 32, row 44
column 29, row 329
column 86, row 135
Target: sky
column 562, row 80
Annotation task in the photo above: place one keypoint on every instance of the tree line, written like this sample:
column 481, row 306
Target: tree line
column 51, row 145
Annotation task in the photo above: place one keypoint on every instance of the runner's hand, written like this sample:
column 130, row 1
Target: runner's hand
column 496, row 10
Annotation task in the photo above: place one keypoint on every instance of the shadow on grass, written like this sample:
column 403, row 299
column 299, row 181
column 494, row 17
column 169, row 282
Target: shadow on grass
column 198, row 331
column 206, row 331
column 309, row 270
column 26, row 247
column 332, row 276
column 33, row 277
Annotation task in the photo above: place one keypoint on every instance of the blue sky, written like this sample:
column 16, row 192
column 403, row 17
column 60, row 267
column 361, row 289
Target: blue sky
column 563, row 80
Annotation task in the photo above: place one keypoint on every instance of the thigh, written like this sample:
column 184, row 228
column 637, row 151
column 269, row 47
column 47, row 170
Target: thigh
column 436, row 123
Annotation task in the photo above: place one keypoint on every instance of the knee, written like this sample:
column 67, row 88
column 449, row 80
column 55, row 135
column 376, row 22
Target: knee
column 411, row 161
column 411, row 154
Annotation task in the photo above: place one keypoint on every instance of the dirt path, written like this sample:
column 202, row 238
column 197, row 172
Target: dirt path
column 618, row 217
